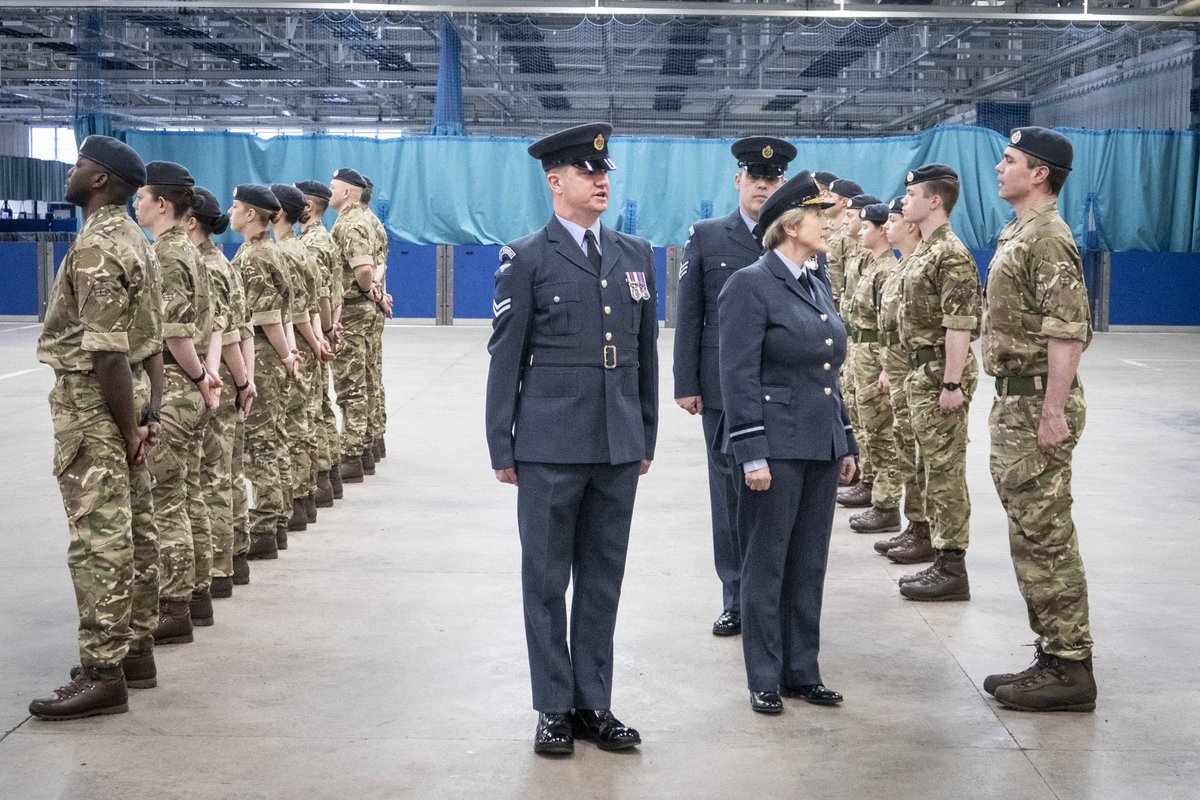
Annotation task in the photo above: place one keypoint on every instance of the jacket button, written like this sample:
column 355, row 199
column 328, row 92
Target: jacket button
column 829, row 342
column 828, row 390
column 828, row 367
column 608, row 309
column 767, row 397
column 557, row 299
column 608, row 337
column 824, row 318
column 722, row 263
column 604, row 284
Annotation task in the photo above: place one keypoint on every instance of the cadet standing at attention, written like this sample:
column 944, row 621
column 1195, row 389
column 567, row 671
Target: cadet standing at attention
column 320, row 244
column 1035, row 327
column 97, row 437
column 268, row 295
column 903, row 236
column 572, row 412
column 715, row 249
column 355, row 240
column 377, row 411
column 189, row 392
column 939, row 315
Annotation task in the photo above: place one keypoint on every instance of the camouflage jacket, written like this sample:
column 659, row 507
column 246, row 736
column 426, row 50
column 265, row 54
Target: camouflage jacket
column 861, row 309
column 840, row 247
column 1035, row 292
column 940, row 290
column 355, row 240
column 225, row 305
column 324, row 252
column 888, row 302
column 186, row 292
column 267, row 290
column 303, row 276
column 380, row 233
column 103, row 280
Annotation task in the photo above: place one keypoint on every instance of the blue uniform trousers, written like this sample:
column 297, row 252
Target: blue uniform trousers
column 574, row 522
column 723, row 478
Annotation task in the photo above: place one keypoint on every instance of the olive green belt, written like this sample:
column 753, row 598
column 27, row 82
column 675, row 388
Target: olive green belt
column 923, row 355
column 860, row 336
column 889, row 338
column 1025, row 385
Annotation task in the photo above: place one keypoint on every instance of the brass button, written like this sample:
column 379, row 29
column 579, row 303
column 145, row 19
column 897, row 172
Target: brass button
column 828, row 390
column 829, row 342
column 608, row 309
column 604, row 284
column 767, row 397
column 608, row 337
column 828, row 367
column 557, row 299
column 824, row 318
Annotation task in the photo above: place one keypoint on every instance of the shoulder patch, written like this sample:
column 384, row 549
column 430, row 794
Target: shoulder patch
column 507, row 254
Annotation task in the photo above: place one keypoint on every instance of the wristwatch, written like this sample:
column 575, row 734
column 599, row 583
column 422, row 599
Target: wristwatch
column 951, row 387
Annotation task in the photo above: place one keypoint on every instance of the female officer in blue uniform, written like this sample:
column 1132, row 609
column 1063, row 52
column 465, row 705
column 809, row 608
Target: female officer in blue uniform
column 786, row 426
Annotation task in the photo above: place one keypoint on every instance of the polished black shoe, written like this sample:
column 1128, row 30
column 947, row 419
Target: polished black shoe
column 601, row 727
column 766, row 702
column 815, row 693
column 553, row 735
column 262, row 545
column 221, row 587
column 728, row 624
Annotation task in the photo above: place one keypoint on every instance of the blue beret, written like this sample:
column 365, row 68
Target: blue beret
column 257, row 195
column 1045, row 144
column 585, row 146
column 863, row 200
column 844, row 187
column 930, row 172
column 350, row 176
column 314, row 189
column 799, row 192
column 115, row 156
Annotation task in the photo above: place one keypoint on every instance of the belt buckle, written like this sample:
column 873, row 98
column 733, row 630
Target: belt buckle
column 610, row 350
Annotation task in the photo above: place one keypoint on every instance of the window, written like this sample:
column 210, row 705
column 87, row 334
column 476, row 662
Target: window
column 53, row 144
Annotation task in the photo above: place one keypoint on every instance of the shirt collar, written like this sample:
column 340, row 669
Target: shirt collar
column 791, row 265
column 576, row 230
column 749, row 222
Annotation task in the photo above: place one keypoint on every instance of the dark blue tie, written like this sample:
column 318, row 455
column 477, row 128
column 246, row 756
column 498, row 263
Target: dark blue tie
column 593, row 252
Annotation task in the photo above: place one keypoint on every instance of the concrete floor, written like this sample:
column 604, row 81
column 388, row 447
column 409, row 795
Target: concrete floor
column 383, row 655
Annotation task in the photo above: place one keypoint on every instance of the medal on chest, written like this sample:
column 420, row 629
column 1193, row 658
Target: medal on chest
column 639, row 290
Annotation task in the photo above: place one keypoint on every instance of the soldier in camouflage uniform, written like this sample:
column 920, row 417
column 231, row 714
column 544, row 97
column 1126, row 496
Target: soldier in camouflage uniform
column 324, row 251
column 241, row 510
column 237, row 391
column 940, row 313
column 96, row 432
column 903, row 236
column 189, row 391
column 1036, row 326
column 860, row 311
column 314, row 352
column 357, row 252
column 268, row 295
column 377, row 415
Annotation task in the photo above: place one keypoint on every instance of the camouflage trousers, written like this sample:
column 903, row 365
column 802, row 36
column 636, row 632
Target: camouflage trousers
column 266, row 441
column 146, row 569
column 1035, row 490
column 241, row 508
column 350, row 376
column 184, row 532
column 846, row 383
column 218, row 476
column 326, row 423
column 302, row 450
column 910, row 467
column 376, row 399
column 874, row 428
column 93, row 478
column 942, row 439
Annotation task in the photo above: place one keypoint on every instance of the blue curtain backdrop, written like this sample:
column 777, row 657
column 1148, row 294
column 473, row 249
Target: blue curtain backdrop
column 480, row 190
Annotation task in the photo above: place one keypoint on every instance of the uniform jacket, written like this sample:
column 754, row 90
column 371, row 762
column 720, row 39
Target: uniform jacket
column 780, row 352
column 550, row 397
column 715, row 249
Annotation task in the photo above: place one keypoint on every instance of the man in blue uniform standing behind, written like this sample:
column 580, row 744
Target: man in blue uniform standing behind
column 572, row 413
column 715, row 249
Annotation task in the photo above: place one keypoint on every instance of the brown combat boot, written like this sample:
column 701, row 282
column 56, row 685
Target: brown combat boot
column 299, row 519
column 992, row 682
column 380, row 449
column 323, row 497
column 1057, row 684
column 96, row 690
column 856, row 496
column 876, row 520
column 241, row 570
column 351, row 471
column 221, row 587
column 883, row 545
column 201, row 609
column 281, row 533
column 310, row 508
column 174, row 622
column 945, row 580
column 368, row 462
column 918, row 549
column 262, row 546
column 138, row 669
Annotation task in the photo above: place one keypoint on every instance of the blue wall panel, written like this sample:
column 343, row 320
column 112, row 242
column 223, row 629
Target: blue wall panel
column 412, row 280
column 1154, row 289
column 18, row 278
column 475, row 280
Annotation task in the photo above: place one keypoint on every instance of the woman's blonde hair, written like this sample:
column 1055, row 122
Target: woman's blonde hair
column 776, row 235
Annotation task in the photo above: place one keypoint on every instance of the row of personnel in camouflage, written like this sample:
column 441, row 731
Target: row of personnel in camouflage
column 192, row 417
column 910, row 374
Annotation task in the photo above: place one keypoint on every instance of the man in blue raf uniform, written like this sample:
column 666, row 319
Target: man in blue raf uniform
column 572, row 412
column 715, row 249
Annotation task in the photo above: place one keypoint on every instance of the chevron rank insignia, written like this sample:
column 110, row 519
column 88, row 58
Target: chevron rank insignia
column 683, row 268
column 500, row 306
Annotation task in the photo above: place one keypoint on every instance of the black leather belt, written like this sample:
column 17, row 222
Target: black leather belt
column 606, row 357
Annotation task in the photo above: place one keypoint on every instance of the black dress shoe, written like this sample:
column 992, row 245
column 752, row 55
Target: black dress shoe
column 728, row 624
column 815, row 693
column 553, row 736
column 601, row 727
column 766, row 702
